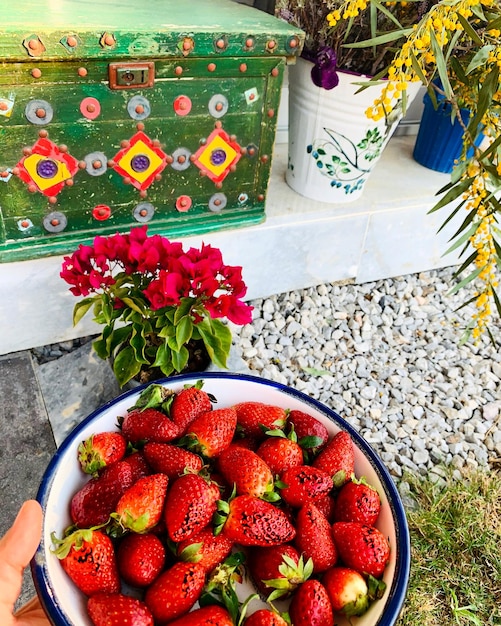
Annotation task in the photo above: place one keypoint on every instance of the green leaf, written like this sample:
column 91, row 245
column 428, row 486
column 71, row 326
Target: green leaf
column 180, row 358
column 484, row 100
column 480, row 57
column 81, row 308
column 184, row 330
column 466, row 281
column 217, row 339
column 163, row 360
column 131, row 303
column 463, row 239
column 125, row 366
column 376, row 41
column 452, row 194
column 441, row 64
column 316, row 372
column 138, row 343
column 496, row 301
column 183, row 309
column 417, row 68
column 117, row 337
column 469, row 30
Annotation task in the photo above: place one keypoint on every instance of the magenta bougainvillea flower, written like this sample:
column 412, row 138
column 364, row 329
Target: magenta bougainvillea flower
column 153, row 298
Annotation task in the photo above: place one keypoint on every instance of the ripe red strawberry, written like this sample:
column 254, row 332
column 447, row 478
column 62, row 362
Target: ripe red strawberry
column 141, row 506
column 175, row 591
column 314, row 538
column 278, row 570
column 188, row 404
column 140, row 559
column 189, row 506
column 325, row 504
column 347, row 591
column 304, row 483
column 337, row 458
column 170, row 459
column 93, row 504
column 248, row 472
column 311, row 434
column 211, row 433
column 88, row 557
column 361, row 547
column 251, row 521
column 205, row 548
column 100, row 450
column 118, row 610
column 254, row 418
column 280, row 453
column 357, row 501
column 311, row 606
column 265, row 617
column 140, row 425
column 138, row 465
column 212, row 615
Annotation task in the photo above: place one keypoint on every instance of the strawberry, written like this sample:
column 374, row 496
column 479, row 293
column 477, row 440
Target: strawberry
column 175, row 591
column 347, row 591
column 140, row 559
column 188, row 404
column 357, row 501
column 265, row 617
column 251, row 521
column 311, row 434
column 212, row 615
column 314, row 539
column 248, row 472
column 325, row 504
column 337, row 458
column 205, row 548
column 304, row 483
column 140, row 425
column 141, row 506
column 100, row 450
column 93, row 504
column 118, row 610
column 170, row 459
column 88, row 557
column 280, row 452
column 278, row 570
column 211, row 433
column 189, row 507
column 361, row 547
column 255, row 418
column 138, row 465
column 311, row 606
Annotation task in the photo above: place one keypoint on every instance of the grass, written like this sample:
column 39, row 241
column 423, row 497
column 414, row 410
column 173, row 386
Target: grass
column 455, row 529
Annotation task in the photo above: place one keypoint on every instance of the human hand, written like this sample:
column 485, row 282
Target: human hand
column 17, row 547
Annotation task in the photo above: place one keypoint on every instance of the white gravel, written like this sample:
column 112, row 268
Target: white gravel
column 387, row 357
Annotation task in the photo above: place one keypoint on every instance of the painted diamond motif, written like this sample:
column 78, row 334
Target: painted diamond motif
column 140, row 161
column 47, row 168
column 217, row 156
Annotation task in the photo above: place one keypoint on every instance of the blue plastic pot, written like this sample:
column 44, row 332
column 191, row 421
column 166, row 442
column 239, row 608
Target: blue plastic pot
column 439, row 141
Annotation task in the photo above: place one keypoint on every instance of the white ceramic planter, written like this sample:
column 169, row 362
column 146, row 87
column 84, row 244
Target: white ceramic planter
column 333, row 145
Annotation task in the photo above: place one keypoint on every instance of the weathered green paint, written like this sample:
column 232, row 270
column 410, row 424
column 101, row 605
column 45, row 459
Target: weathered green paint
column 152, row 31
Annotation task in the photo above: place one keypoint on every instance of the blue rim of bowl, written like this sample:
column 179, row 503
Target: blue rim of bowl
column 400, row 582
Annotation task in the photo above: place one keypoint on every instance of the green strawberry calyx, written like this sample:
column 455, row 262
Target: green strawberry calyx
column 72, row 539
column 221, row 585
column 293, row 574
column 90, row 459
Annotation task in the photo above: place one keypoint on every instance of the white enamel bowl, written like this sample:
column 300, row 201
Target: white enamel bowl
column 65, row 605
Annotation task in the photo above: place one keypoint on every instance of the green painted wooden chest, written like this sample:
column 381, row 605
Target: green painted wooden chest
column 120, row 113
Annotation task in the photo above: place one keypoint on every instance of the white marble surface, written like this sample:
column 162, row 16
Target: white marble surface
column 301, row 243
